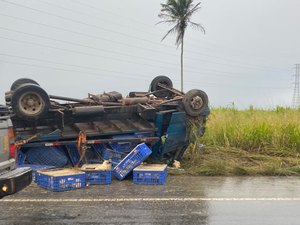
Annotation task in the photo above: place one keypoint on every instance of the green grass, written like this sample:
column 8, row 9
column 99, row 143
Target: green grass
column 247, row 142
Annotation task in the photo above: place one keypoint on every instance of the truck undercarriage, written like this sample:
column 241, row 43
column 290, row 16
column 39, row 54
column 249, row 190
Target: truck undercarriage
column 103, row 121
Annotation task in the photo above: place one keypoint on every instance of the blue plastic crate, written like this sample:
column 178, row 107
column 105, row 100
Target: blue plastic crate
column 128, row 146
column 21, row 157
column 98, row 148
column 61, row 179
column 114, row 164
column 122, row 146
column 132, row 160
column 97, row 173
column 97, row 176
column 111, row 154
column 50, row 156
column 35, row 168
column 73, row 154
column 150, row 174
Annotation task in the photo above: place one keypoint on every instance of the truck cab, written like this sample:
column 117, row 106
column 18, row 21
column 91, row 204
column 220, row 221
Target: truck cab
column 12, row 179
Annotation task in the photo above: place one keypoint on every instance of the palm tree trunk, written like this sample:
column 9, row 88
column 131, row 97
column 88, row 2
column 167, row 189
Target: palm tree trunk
column 182, row 64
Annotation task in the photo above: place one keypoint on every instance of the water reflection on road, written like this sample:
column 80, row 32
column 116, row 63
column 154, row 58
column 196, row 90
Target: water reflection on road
column 183, row 200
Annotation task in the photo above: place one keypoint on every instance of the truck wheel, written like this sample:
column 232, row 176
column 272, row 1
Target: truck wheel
column 21, row 81
column 8, row 95
column 194, row 102
column 30, row 102
column 163, row 80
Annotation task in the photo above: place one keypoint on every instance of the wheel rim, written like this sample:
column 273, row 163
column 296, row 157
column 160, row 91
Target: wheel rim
column 196, row 103
column 31, row 103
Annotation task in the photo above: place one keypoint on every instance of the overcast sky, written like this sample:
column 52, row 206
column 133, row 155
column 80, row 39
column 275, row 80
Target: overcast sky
column 75, row 47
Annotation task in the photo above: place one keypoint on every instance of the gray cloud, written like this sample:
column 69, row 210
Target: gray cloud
column 75, row 47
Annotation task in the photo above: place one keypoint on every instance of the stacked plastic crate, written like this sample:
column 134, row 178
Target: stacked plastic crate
column 69, row 179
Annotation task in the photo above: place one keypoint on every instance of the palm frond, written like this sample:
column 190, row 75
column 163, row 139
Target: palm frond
column 167, row 21
column 172, row 30
column 197, row 26
column 179, row 12
column 167, row 16
column 194, row 8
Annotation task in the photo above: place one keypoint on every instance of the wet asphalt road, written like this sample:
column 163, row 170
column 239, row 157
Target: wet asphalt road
column 183, row 200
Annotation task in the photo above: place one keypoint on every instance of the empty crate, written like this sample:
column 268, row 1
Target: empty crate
column 97, row 173
column 150, row 174
column 61, row 179
column 132, row 160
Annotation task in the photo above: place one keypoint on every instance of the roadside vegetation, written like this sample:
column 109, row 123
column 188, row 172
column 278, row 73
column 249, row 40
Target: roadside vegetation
column 247, row 142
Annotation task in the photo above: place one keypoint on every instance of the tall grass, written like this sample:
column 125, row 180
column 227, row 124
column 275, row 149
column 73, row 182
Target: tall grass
column 254, row 129
column 246, row 142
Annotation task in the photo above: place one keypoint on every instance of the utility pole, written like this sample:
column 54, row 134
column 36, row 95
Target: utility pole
column 296, row 95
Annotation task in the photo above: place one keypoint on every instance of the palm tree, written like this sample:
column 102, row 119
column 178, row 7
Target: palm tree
column 178, row 13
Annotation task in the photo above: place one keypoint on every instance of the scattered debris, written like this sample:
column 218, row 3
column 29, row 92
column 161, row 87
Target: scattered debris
column 201, row 146
column 176, row 164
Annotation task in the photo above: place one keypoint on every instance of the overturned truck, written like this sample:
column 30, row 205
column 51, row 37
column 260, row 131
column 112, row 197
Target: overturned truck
column 103, row 126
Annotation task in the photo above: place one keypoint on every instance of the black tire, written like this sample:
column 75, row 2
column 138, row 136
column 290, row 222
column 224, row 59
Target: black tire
column 30, row 102
column 8, row 96
column 163, row 80
column 195, row 102
column 21, row 81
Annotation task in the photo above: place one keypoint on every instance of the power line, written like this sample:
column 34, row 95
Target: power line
column 70, row 65
column 109, row 51
column 90, row 15
column 85, row 46
column 65, row 64
column 87, row 54
column 83, row 34
column 71, row 70
column 217, row 85
column 95, row 8
column 79, row 22
column 113, row 31
column 136, row 21
column 112, row 58
column 118, row 53
column 109, row 12
column 101, row 18
column 94, row 37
